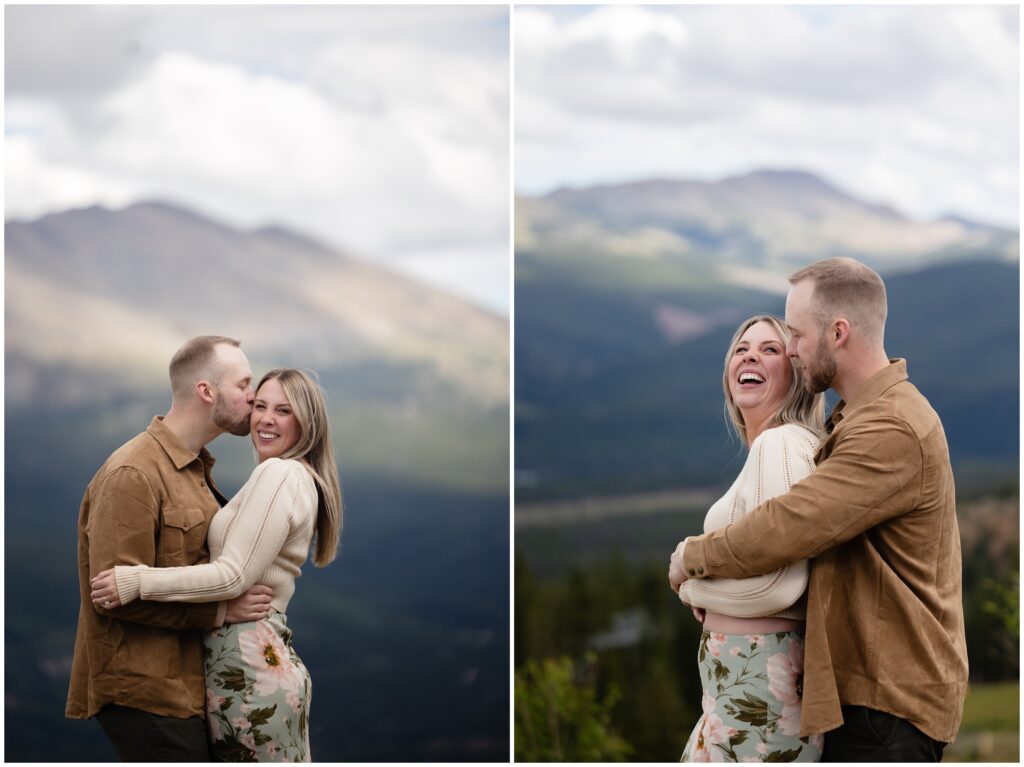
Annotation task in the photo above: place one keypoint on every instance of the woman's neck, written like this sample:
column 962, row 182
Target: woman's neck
column 754, row 424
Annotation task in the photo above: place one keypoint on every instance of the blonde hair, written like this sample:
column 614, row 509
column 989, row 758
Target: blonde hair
column 844, row 287
column 315, row 448
column 799, row 406
column 196, row 360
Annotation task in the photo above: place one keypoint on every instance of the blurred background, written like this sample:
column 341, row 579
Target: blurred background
column 673, row 166
column 330, row 185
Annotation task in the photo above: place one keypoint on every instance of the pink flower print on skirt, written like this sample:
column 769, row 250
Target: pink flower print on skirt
column 751, row 702
column 257, row 693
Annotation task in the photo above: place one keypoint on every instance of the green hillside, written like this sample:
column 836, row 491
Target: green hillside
column 606, row 403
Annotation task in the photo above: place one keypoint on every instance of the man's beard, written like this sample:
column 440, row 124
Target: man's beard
column 820, row 371
column 222, row 417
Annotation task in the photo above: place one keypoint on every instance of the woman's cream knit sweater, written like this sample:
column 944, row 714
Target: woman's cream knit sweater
column 261, row 536
column 779, row 458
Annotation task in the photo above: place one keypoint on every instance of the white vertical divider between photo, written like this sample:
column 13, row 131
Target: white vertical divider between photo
column 511, row 379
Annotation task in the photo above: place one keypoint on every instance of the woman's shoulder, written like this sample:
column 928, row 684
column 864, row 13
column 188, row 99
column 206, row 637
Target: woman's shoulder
column 288, row 475
column 283, row 469
column 786, row 435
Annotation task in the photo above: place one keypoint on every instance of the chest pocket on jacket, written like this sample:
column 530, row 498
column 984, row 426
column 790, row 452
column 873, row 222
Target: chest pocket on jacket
column 182, row 537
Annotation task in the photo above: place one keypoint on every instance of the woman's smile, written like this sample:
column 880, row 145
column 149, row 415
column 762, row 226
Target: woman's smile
column 760, row 374
column 750, row 378
column 274, row 427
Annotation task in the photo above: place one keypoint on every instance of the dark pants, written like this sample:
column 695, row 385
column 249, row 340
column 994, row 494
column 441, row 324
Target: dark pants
column 140, row 736
column 869, row 735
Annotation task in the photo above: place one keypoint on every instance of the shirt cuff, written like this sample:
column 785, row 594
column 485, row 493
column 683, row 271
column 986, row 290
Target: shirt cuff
column 684, row 587
column 127, row 581
column 222, row 613
column 695, row 558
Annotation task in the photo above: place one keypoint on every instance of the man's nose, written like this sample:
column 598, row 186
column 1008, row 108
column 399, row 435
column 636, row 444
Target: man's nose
column 791, row 348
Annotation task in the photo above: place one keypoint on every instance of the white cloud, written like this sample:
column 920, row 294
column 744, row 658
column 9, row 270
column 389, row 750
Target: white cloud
column 626, row 30
column 916, row 106
column 35, row 185
column 384, row 131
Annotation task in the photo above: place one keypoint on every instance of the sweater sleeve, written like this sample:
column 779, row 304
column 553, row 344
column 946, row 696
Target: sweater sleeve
column 252, row 541
column 778, row 458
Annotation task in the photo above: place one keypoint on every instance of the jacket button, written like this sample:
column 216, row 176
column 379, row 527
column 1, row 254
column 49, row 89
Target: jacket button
column 700, row 570
column 691, row 571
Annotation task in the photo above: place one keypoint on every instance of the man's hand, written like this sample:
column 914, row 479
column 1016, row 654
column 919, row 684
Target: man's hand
column 700, row 614
column 250, row 606
column 676, row 570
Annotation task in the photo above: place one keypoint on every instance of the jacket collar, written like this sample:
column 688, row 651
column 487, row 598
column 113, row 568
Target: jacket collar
column 180, row 455
column 869, row 391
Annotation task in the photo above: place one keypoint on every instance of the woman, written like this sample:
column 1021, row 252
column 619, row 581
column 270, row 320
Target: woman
column 751, row 651
column 257, row 689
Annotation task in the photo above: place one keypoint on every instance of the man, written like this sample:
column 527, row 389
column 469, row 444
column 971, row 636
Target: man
column 885, row 670
column 138, row 668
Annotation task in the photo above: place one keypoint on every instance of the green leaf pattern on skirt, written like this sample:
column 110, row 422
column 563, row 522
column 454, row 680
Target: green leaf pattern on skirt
column 753, row 686
column 257, row 693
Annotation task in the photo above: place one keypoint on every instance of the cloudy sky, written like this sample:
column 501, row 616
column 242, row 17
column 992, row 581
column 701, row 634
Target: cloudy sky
column 913, row 106
column 384, row 131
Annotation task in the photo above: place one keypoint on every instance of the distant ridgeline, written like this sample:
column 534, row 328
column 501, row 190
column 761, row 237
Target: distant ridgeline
column 627, row 295
column 415, row 377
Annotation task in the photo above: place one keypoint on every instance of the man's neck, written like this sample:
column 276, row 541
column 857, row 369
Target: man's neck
column 856, row 373
column 193, row 429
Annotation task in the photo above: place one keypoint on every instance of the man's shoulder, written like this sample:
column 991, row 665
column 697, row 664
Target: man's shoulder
column 904, row 403
column 141, row 455
column 903, row 415
column 142, row 450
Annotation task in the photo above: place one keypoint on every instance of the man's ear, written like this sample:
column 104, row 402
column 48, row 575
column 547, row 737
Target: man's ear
column 205, row 391
column 841, row 332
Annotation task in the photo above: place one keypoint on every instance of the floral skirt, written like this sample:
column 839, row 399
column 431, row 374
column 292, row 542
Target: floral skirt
column 752, row 694
column 257, row 693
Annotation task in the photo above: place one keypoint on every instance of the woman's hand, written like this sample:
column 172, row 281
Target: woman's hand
column 676, row 569
column 104, row 590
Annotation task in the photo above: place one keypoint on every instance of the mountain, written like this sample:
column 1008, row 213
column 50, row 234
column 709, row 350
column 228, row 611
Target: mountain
column 406, row 634
column 132, row 284
column 152, row 274
column 768, row 219
column 627, row 295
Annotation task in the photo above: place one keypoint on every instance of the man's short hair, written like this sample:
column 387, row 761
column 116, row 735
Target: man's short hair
column 844, row 287
column 196, row 360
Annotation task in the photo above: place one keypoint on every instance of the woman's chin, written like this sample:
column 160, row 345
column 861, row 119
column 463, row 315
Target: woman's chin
column 264, row 452
column 749, row 407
